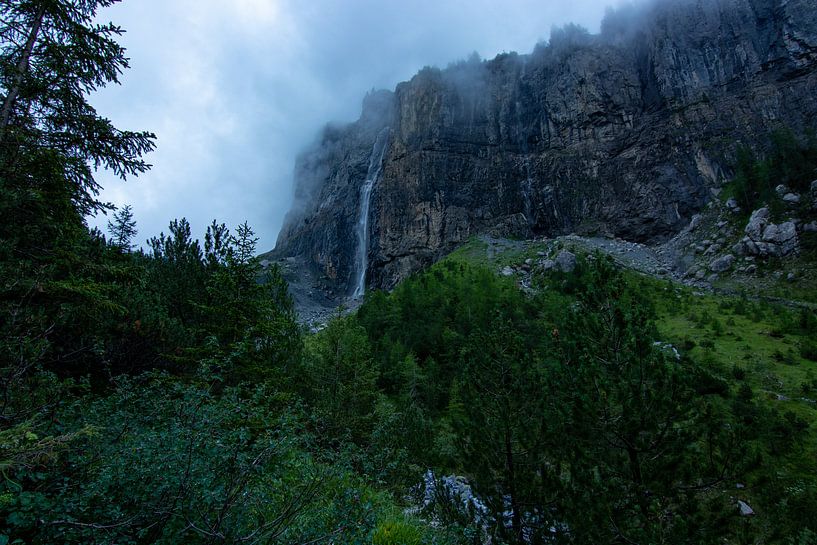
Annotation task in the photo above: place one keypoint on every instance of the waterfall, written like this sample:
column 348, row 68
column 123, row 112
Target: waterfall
column 362, row 228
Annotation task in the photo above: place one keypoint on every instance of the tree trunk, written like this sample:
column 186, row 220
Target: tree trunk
column 22, row 68
column 638, row 480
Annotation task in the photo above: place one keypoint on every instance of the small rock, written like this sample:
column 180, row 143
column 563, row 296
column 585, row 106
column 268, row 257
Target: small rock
column 722, row 224
column 733, row 206
column 810, row 227
column 507, row 271
column 529, row 262
column 566, row 261
column 791, row 277
column 722, row 264
column 739, row 248
column 777, row 275
column 525, row 267
column 751, row 269
column 695, row 222
column 700, row 275
column 791, row 198
column 745, row 510
column 740, row 486
column 541, row 254
column 712, row 278
column 547, row 264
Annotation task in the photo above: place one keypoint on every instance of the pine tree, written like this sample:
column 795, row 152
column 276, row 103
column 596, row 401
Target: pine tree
column 53, row 55
column 123, row 228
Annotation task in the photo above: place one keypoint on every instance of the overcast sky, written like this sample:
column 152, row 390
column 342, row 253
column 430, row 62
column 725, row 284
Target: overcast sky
column 234, row 89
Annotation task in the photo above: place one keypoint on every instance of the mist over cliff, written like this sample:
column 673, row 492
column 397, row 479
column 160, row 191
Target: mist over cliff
column 623, row 133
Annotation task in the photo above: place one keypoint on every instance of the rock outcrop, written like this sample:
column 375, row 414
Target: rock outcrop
column 766, row 239
column 623, row 133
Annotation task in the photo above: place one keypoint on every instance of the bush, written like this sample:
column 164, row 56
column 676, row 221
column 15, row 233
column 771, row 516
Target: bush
column 396, row 532
column 808, row 349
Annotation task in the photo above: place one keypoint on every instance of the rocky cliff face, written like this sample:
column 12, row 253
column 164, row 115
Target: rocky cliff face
column 622, row 133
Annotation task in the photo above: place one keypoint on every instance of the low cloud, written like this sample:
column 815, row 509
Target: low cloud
column 234, row 90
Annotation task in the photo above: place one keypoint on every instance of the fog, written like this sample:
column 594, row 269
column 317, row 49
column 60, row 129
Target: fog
column 234, row 90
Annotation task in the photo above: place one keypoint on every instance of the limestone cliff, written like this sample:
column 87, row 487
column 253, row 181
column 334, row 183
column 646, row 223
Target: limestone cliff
column 622, row 133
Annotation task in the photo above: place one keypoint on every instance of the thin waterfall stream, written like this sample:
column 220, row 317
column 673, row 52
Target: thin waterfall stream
column 362, row 228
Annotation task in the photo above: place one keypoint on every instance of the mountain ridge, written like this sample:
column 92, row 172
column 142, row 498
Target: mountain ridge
column 622, row 133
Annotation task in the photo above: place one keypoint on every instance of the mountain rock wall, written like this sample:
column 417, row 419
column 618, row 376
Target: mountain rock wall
column 623, row 133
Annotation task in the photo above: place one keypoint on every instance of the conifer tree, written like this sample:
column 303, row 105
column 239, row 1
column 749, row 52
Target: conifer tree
column 123, row 228
column 52, row 56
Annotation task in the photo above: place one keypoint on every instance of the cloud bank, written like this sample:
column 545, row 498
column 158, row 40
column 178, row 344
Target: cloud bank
column 234, row 90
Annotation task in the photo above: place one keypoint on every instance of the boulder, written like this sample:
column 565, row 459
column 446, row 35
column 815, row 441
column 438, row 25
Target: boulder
column 547, row 264
column 566, row 261
column 722, row 264
column 757, row 222
column 791, row 198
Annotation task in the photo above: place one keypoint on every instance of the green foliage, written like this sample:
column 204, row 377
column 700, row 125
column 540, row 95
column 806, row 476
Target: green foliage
column 340, row 380
column 170, row 396
column 123, row 228
column 790, row 161
column 170, row 462
column 396, row 532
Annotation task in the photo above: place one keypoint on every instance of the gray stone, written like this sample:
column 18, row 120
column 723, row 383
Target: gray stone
column 791, row 198
column 714, row 249
column 781, row 190
column 695, row 222
column 791, row 277
column 745, row 510
column 722, row 264
column 751, row 269
column 810, row 227
column 507, row 271
column 712, row 278
column 547, row 264
column 733, row 206
column 739, row 248
column 757, row 222
column 566, row 261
